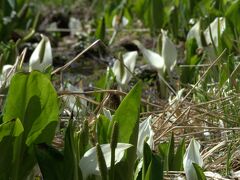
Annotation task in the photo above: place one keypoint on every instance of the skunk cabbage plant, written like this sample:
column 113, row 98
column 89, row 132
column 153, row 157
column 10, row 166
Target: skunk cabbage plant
column 191, row 156
column 123, row 69
column 164, row 62
column 89, row 163
column 145, row 133
column 41, row 57
column 216, row 28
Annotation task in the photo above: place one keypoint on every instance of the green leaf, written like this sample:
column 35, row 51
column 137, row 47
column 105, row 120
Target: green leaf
column 170, row 153
column 178, row 158
column 102, row 129
column 71, row 168
column 50, row 161
column 232, row 15
column 163, row 152
column 100, row 32
column 199, row 171
column 147, row 158
column 155, row 15
column 33, row 102
column 101, row 162
column 11, row 128
column 127, row 116
column 155, row 169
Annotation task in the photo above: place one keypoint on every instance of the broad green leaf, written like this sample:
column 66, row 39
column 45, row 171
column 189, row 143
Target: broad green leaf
column 199, row 171
column 89, row 163
column 35, row 104
column 127, row 114
column 41, row 57
column 191, row 156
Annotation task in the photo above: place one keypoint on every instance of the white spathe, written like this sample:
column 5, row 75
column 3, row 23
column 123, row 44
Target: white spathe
column 192, row 155
column 6, row 76
column 163, row 62
column 145, row 133
column 169, row 52
column 121, row 71
column 154, row 59
column 195, row 33
column 116, row 24
column 217, row 22
column 71, row 99
column 41, row 57
column 89, row 163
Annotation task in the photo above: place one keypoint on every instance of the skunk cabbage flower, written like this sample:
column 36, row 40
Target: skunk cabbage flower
column 5, row 76
column 191, row 156
column 195, row 33
column 145, row 133
column 163, row 62
column 71, row 100
column 218, row 22
column 41, row 57
column 116, row 24
column 123, row 76
column 169, row 52
column 89, row 163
